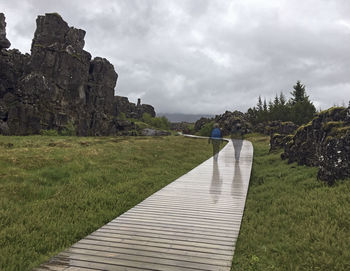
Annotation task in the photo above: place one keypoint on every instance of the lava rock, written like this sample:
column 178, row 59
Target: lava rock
column 4, row 42
column 324, row 142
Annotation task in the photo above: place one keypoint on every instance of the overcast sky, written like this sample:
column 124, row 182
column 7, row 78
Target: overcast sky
column 207, row 56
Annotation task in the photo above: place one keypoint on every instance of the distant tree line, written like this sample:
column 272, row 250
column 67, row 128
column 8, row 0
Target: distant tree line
column 298, row 109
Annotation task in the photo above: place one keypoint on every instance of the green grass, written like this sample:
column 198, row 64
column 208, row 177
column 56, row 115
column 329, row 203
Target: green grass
column 56, row 190
column 291, row 220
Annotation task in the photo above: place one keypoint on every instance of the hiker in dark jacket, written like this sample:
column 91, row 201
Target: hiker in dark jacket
column 216, row 139
column 237, row 139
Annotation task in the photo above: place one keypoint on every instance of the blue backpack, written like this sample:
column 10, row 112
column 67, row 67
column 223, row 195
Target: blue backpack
column 216, row 133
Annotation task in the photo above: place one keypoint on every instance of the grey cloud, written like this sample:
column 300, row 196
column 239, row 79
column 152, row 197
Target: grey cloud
column 206, row 56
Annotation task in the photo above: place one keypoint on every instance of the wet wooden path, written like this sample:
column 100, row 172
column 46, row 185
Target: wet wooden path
column 191, row 224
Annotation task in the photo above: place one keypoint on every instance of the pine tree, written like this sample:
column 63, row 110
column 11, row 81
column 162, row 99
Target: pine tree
column 259, row 104
column 299, row 93
column 265, row 106
column 282, row 99
column 302, row 109
column 276, row 101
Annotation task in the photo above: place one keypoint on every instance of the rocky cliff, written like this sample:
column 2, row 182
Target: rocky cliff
column 59, row 85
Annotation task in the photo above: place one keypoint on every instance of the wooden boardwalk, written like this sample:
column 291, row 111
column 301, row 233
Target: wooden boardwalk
column 191, row 224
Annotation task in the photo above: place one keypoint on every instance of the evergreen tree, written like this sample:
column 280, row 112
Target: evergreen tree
column 299, row 93
column 265, row 106
column 299, row 109
column 271, row 106
column 282, row 99
column 302, row 110
column 276, row 101
column 259, row 104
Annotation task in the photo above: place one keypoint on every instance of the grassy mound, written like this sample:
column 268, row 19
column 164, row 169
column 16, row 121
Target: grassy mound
column 291, row 220
column 56, row 190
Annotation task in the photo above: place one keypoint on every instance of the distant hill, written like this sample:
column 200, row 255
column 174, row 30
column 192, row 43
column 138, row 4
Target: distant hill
column 178, row 117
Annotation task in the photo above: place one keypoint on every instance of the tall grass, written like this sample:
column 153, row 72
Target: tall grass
column 291, row 220
column 56, row 190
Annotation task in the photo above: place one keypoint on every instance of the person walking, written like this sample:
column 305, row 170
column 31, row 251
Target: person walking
column 237, row 139
column 216, row 139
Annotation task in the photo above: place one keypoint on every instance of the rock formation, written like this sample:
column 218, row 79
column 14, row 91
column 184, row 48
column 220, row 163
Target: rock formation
column 4, row 42
column 58, row 85
column 130, row 110
column 276, row 127
column 227, row 122
column 199, row 124
column 324, row 142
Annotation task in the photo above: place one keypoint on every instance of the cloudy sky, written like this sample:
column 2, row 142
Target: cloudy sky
column 207, row 56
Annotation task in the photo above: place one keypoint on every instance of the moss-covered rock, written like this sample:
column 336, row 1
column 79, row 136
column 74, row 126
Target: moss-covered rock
column 276, row 127
column 323, row 142
column 278, row 141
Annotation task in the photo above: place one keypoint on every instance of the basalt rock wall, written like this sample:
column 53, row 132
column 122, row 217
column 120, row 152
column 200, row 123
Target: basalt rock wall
column 58, row 84
column 324, row 142
column 276, row 127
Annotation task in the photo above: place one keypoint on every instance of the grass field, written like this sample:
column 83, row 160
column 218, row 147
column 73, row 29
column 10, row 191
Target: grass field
column 56, row 190
column 291, row 220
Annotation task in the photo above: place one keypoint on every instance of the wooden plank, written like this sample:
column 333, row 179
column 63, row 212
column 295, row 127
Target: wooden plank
column 142, row 247
column 169, row 254
column 111, row 264
column 118, row 237
column 145, row 231
column 194, row 231
column 165, row 235
column 191, row 224
column 114, row 257
column 156, row 243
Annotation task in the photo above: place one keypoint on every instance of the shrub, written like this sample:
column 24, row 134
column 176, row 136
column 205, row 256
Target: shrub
column 157, row 122
column 141, row 125
column 121, row 116
column 69, row 130
column 206, row 129
column 50, row 132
